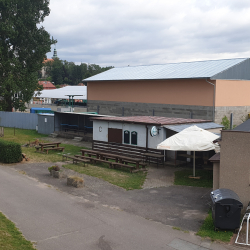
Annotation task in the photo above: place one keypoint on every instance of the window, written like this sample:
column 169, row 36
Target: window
column 126, row 137
column 134, row 138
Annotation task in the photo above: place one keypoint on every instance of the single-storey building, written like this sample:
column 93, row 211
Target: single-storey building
column 201, row 90
column 144, row 132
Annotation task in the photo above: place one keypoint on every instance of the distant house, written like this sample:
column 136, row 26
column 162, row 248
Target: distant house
column 47, row 85
column 201, row 90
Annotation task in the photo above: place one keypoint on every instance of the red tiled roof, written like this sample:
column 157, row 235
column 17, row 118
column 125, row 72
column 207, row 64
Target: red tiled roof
column 156, row 120
column 80, row 84
column 48, row 60
column 47, row 85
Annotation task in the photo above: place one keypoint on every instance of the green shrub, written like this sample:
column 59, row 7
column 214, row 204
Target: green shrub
column 56, row 168
column 226, row 123
column 10, row 152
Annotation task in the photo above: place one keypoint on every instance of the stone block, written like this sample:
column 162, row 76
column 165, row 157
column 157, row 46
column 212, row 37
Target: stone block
column 75, row 181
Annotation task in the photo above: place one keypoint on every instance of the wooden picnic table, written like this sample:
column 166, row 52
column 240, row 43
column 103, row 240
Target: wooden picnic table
column 156, row 156
column 90, row 152
column 117, row 158
column 49, row 144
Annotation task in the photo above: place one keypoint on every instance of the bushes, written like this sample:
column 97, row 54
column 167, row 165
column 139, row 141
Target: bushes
column 10, row 152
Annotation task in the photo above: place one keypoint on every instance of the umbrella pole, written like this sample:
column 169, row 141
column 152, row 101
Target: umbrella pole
column 194, row 165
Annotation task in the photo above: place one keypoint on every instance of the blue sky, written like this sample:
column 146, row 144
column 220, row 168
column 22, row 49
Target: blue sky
column 142, row 32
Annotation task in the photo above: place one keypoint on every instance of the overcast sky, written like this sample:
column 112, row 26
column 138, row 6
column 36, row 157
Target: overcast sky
column 142, row 32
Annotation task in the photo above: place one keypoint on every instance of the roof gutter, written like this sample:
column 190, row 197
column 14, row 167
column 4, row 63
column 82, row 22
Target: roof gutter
column 213, row 99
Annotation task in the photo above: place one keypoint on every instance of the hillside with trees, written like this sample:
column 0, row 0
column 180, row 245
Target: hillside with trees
column 63, row 72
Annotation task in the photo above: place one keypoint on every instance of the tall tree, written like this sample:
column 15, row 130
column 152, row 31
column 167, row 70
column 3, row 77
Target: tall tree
column 23, row 47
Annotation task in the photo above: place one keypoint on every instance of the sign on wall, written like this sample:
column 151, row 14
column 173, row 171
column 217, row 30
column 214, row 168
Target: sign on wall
column 154, row 131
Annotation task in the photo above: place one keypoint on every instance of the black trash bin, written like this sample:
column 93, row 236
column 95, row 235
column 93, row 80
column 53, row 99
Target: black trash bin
column 226, row 209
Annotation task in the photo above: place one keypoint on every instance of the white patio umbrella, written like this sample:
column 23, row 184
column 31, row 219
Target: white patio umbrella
column 192, row 138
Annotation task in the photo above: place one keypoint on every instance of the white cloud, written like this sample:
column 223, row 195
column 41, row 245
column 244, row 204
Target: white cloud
column 121, row 33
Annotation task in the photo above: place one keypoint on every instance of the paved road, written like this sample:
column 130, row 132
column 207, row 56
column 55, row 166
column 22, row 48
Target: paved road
column 57, row 220
column 179, row 206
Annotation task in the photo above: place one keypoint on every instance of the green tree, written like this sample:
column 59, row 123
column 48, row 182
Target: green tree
column 57, row 72
column 23, row 47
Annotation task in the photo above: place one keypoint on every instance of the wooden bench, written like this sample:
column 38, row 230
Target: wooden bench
column 91, row 159
column 75, row 159
column 39, row 147
column 142, row 164
column 57, row 148
column 131, row 168
column 94, row 160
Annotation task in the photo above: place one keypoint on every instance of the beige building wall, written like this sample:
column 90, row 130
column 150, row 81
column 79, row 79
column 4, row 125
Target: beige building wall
column 232, row 97
column 235, row 163
column 232, row 93
column 181, row 92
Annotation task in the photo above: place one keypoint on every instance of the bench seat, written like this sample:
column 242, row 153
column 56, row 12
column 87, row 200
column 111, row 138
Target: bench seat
column 54, row 148
column 39, row 147
column 75, row 159
column 94, row 160
column 131, row 168
column 142, row 164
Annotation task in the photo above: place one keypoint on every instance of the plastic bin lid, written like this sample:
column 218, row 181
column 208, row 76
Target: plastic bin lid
column 224, row 193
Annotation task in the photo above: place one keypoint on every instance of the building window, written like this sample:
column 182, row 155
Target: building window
column 134, row 138
column 126, row 137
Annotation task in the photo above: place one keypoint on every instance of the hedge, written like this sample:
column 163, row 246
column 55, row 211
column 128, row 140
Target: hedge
column 10, row 152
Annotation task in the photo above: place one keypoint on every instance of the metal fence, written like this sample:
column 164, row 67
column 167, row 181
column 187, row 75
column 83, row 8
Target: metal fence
column 18, row 120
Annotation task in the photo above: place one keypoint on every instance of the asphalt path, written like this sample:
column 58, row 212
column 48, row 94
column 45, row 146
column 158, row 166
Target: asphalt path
column 55, row 219
column 178, row 206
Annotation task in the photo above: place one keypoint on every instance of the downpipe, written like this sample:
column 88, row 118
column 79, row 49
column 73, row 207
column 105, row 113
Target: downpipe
column 213, row 99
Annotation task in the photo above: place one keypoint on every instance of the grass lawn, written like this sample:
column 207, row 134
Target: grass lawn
column 24, row 136
column 207, row 230
column 11, row 238
column 182, row 178
column 120, row 178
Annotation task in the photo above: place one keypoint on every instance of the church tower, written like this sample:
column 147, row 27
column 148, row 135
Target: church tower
column 54, row 54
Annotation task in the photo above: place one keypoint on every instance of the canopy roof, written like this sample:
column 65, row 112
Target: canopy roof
column 190, row 139
column 63, row 93
column 213, row 69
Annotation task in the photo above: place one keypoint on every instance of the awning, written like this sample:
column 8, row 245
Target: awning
column 62, row 93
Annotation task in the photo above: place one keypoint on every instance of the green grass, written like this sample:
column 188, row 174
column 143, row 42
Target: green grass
column 21, row 136
column 207, row 230
column 25, row 136
column 10, row 237
column 182, row 178
column 120, row 178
